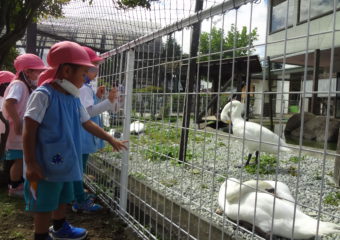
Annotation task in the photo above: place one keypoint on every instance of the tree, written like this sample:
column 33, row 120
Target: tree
column 8, row 60
column 212, row 40
column 15, row 15
column 124, row 4
column 171, row 49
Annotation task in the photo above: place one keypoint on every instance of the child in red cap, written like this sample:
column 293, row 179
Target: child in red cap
column 91, row 144
column 5, row 78
column 28, row 67
column 52, row 142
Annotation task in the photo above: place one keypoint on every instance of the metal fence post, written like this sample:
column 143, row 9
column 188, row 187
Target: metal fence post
column 130, row 59
column 337, row 163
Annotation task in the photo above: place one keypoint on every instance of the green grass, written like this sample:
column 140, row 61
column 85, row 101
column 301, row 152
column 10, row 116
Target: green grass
column 161, row 152
column 332, row 198
column 267, row 165
column 220, row 179
column 295, row 159
column 161, row 143
column 138, row 175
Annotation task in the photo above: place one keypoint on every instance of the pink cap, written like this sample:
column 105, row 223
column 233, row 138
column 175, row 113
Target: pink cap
column 92, row 54
column 6, row 77
column 64, row 52
column 47, row 76
column 28, row 61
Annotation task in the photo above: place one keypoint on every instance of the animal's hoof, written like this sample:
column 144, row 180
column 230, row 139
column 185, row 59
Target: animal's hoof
column 239, row 166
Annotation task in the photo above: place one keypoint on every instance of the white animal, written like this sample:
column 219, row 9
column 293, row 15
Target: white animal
column 137, row 127
column 252, row 132
column 106, row 118
column 231, row 195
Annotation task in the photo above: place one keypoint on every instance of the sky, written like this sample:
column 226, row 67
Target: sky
column 139, row 21
column 166, row 12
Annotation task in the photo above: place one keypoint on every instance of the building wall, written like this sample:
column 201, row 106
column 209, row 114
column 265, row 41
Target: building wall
column 320, row 36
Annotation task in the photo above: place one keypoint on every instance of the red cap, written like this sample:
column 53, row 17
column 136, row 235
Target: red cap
column 92, row 54
column 6, row 77
column 64, row 52
column 28, row 61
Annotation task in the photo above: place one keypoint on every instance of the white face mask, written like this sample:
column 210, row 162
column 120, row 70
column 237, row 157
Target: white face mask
column 68, row 87
column 34, row 82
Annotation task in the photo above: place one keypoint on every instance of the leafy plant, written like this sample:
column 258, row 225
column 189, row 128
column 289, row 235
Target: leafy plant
column 296, row 159
column 292, row 170
column 125, row 4
column 267, row 165
column 148, row 89
column 164, row 111
column 332, row 198
column 16, row 15
column 220, row 179
column 160, row 152
column 138, row 175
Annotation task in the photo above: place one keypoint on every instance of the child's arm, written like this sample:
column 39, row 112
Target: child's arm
column 103, row 106
column 97, row 131
column 33, row 170
column 10, row 107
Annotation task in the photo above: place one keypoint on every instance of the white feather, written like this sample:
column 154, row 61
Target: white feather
column 137, row 127
column 305, row 227
column 252, row 132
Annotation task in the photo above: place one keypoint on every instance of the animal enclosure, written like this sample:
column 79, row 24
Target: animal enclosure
column 232, row 108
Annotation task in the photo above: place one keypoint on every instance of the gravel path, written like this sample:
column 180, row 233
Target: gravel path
column 195, row 185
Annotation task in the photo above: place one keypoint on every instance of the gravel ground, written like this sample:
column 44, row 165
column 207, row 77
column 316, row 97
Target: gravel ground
column 195, row 185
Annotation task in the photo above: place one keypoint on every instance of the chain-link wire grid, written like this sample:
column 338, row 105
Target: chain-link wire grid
column 170, row 185
column 103, row 25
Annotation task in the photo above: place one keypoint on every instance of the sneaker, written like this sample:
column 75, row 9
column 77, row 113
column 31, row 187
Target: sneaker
column 90, row 196
column 68, row 232
column 16, row 192
column 86, row 207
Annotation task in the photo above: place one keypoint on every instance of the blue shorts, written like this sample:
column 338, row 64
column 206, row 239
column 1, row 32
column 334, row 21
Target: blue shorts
column 13, row 154
column 49, row 196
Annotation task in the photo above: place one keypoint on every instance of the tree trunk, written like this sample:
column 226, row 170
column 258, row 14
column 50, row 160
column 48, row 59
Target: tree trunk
column 24, row 17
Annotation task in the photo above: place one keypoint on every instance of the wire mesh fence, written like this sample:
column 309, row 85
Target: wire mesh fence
column 231, row 116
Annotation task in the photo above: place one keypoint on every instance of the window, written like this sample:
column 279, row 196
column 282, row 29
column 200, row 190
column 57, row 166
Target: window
column 279, row 13
column 318, row 8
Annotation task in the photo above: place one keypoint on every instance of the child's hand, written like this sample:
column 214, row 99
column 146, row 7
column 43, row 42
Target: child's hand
column 118, row 145
column 100, row 91
column 112, row 95
column 34, row 172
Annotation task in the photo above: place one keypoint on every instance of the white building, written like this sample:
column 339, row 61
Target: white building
column 300, row 42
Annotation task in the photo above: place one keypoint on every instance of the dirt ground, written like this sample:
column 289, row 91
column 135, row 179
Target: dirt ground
column 16, row 224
